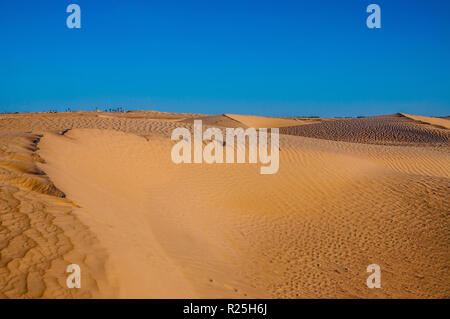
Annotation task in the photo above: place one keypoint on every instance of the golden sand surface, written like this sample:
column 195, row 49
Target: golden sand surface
column 100, row 190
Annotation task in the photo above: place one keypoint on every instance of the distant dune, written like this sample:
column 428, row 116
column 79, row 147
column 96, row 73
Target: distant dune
column 395, row 129
column 100, row 190
column 246, row 121
column 266, row 122
column 216, row 120
column 440, row 122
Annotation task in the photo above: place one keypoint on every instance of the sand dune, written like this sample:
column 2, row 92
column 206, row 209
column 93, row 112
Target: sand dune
column 56, row 123
column 143, row 227
column 393, row 129
column 246, row 121
column 268, row 122
column 39, row 236
column 440, row 122
column 217, row 121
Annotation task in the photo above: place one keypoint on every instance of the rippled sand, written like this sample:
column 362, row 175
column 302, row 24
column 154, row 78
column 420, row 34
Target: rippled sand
column 100, row 190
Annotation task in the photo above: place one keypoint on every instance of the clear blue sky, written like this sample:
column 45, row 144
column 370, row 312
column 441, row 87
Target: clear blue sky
column 251, row 57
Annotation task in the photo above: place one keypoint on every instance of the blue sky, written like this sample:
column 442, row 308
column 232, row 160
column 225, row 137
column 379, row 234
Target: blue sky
column 279, row 58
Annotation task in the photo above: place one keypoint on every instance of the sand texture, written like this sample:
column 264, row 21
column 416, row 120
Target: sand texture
column 100, row 190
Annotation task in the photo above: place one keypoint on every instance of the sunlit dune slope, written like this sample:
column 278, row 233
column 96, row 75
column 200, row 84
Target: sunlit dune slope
column 226, row 231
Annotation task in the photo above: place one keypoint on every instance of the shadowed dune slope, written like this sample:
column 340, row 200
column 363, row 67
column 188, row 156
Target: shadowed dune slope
column 217, row 121
column 439, row 122
column 393, row 129
column 18, row 163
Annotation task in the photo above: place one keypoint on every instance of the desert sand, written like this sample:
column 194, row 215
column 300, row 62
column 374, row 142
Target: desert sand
column 100, row 190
